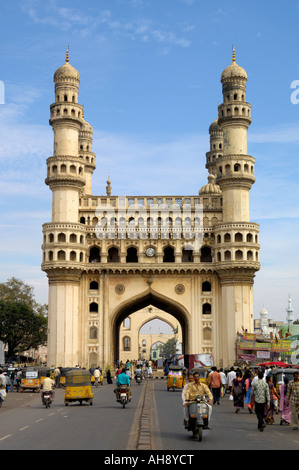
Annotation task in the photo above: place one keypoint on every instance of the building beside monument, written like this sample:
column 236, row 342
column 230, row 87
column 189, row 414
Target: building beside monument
column 193, row 257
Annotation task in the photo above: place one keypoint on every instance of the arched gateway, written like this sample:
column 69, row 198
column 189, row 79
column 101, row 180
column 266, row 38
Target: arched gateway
column 106, row 257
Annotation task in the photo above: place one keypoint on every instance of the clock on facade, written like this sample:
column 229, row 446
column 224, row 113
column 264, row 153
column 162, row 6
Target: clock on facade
column 150, row 252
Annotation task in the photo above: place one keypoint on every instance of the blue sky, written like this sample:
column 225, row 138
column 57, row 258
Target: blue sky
column 150, row 85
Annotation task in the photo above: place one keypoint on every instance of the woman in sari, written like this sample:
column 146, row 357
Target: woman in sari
column 284, row 409
column 248, row 401
column 238, row 392
column 269, row 418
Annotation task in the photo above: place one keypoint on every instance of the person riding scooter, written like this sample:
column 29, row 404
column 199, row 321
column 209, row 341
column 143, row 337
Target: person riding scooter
column 47, row 385
column 197, row 388
column 138, row 373
column 123, row 379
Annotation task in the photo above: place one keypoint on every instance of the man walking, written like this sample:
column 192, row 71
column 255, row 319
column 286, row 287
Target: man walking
column 293, row 393
column 260, row 392
column 215, row 384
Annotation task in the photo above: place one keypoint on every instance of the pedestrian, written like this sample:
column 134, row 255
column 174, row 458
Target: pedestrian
column 237, row 391
column 19, row 379
column 215, row 384
column 224, row 382
column 261, row 394
column 293, row 393
column 269, row 413
column 284, row 409
column 230, row 377
column 57, row 374
column 109, row 378
column 248, row 401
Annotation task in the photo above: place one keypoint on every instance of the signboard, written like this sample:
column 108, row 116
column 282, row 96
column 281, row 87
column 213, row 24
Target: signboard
column 263, row 354
column 253, row 345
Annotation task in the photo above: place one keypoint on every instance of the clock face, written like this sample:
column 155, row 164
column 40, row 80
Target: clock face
column 150, row 251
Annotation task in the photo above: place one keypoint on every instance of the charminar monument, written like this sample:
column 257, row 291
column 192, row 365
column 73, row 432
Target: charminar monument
column 191, row 258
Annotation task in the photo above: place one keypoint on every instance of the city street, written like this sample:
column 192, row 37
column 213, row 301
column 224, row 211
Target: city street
column 26, row 425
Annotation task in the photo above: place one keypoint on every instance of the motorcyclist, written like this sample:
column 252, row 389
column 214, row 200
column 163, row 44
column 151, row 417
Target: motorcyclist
column 197, row 388
column 47, row 385
column 123, row 379
column 138, row 373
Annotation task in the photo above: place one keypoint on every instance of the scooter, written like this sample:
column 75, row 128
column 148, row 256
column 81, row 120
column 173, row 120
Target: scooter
column 199, row 417
column 47, row 399
column 138, row 379
column 123, row 395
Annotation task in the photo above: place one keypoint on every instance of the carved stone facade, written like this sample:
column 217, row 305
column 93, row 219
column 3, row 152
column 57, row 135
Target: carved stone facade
column 193, row 257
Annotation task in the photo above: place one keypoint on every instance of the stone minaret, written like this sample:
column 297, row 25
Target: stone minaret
column 64, row 235
column 237, row 246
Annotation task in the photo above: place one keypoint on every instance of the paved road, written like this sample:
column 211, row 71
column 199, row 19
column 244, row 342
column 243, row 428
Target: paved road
column 152, row 421
column 230, row 431
column 26, row 424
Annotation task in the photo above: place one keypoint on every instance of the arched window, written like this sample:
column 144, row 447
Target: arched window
column 227, row 238
column 132, row 256
column 168, row 255
column 93, row 332
column 238, row 237
column 206, row 255
column 187, row 256
column 61, row 238
column 94, row 255
column 239, row 255
column 73, row 256
column 206, row 309
column 206, row 286
column 61, row 255
column 113, row 256
column 94, row 285
column 93, row 307
column 227, row 255
column 127, row 343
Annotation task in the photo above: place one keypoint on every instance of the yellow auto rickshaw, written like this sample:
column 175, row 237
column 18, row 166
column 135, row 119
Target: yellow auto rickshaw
column 204, row 374
column 30, row 379
column 78, row 387
column 176, row 378
column 43, row 373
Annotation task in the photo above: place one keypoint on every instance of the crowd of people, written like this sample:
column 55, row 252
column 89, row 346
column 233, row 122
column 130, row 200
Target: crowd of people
column 256, row 391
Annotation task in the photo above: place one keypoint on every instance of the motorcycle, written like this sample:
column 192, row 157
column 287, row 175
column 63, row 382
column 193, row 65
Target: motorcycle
column 123, row 395
column 138, row 379
column 47, row 399
column 199, row 417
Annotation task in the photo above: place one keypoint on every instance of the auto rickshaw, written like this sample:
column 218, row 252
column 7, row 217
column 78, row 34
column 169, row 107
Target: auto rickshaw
column 176, row 378
column 91, row 370
column 63, row 372
column 43, row 373
column 279, row 374
column 30, row 379
column 78, row 387
column 204, row 374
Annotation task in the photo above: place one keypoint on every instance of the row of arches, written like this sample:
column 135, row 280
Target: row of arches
column 237, row 255
column 235, row 111
column 70, row 168
column 66, row 112
column 112, row 222
column 237, row 237
column 235, row 168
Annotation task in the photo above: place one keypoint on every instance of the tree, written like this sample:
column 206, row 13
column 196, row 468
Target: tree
column 21, row 328
column 169, row 348
column 15, row 290
column 23, row 322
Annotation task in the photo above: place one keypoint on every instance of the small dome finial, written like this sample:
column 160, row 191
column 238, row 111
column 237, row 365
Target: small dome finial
column 234, row 54
column 67, row 55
